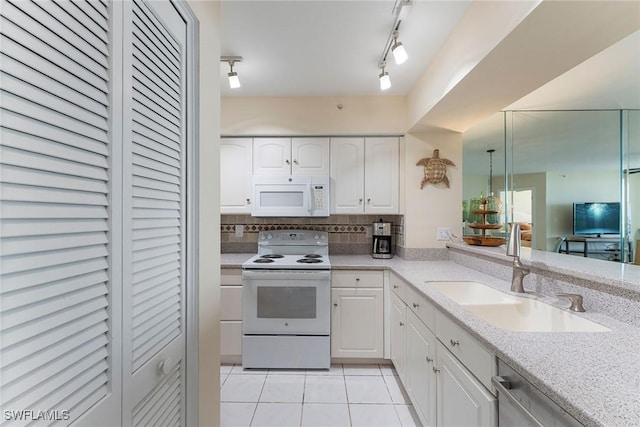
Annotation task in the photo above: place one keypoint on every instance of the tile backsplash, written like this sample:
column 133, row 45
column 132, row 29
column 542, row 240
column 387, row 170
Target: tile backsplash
column 348, row 234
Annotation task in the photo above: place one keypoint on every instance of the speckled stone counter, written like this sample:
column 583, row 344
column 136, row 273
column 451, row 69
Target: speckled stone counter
column 594, row 376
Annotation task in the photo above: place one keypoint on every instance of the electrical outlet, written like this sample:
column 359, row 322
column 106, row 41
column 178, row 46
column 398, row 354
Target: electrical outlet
column 239, row 230
column 443, row 233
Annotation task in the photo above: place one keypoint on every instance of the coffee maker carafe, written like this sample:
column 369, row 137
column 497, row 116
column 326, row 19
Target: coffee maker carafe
column 382, row 240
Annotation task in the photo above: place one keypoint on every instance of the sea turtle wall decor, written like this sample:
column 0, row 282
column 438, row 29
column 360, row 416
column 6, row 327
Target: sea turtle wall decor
column 435, row 169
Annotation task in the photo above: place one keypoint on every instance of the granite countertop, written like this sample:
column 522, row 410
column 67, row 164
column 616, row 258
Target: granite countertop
column 594, row 376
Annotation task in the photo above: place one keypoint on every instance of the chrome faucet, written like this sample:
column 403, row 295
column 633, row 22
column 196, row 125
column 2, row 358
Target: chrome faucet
column 513, row 249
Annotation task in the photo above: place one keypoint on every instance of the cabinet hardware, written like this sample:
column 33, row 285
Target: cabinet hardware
column 369, row 200
column 248, row 201
column 295, row 161
column 395, row 286
column 360, row 201
column 429, row 360
column 436, row 370
column 335, row 304
column 287, row 162
column 416, row 305
column 454, row 342
column 401, row 324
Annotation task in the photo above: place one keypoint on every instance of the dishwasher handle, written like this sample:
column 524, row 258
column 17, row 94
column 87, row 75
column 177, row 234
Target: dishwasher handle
column 502, row 384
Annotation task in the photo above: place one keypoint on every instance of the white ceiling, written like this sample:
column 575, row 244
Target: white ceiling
column 329, row 48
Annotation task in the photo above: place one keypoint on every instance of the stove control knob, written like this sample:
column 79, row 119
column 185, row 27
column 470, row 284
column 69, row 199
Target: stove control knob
column 316, row 237
column 269, row 236
column 263, row 236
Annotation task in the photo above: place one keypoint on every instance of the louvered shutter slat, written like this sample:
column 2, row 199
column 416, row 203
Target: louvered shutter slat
column 33, row 144
column 53, row 56
column 151, row 100
column 58, row 34
column 160, row 269
column 144, row 348
column 30, row 160
column 151, row 120
column 156, row 281
column 164, row 40
column 54, row 366
column 155, row 252
column 85, row 29
column 67, row 110
column 80, row 11
column 33, row 61
column 55, row 125
column 142, row 244
column 28, row 76
column 147, row 131
column 35, row 327
column 167, row 391
column 156, row 204
column 51, row 290
column 164, row 401
column 12, row 354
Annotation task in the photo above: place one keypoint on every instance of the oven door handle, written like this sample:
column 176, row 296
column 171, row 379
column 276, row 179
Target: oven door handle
column 503, row 385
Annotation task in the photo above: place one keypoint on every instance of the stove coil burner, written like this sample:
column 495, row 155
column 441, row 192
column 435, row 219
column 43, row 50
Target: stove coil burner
column 311, row 256
column 272, row 256
column 309, row 261
column 263, row 260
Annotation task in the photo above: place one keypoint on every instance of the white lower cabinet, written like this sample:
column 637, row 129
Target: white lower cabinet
column 443, row 390
column 398, row 336
column 420, row 365
column 461, row 398
column 357, row 314
column 230, row 315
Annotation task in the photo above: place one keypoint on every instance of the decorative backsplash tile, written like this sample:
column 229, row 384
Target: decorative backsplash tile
column 347, row 233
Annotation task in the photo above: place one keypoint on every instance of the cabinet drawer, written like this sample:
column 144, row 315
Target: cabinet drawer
column 470, row 352
column 231, row 276
column 356, row 279
column 231, row 302
column 421, row 307
column 230, row 338
column 398, row 286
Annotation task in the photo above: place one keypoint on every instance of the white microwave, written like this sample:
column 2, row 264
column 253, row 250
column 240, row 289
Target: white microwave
column 290, row 196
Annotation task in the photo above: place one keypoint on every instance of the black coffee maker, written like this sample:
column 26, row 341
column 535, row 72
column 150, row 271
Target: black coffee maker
column 382, row 240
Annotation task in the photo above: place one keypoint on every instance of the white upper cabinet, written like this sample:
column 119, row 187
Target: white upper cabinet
column 364, row 175
column 347, row 175
column 291, row 156
column 381, row 159
column 236, row 167
column 310, row 156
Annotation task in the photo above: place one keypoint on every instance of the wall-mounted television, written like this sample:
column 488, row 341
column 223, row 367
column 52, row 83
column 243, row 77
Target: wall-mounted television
column 596, row 218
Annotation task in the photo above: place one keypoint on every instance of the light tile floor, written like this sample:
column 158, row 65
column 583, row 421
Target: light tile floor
column 345, row 395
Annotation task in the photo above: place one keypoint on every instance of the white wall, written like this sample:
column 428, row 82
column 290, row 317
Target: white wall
column 208, row 14
column 538, row 183
column 435, row 205
column 563, row 189
column 371, row 115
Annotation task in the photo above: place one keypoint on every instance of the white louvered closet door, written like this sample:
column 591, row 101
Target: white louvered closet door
column 60, row 301
column 154, row 206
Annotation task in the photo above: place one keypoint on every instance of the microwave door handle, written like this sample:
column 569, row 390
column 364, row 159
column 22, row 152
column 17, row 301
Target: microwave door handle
column 309, row 200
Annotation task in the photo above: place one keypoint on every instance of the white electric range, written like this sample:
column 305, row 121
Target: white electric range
column 286, row 295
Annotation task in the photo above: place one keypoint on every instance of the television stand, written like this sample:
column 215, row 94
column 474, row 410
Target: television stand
column 595, row 242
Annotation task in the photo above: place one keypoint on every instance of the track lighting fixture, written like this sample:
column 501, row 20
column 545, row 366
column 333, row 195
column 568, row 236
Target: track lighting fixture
column 399, row 53
column 393, row 45
column 385, row 81
column 234, row 81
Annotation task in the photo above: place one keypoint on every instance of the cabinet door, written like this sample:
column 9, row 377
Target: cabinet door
column 272, row 156
column 398, row 336
column 381, row 175
column 461, row 399
column 357, row 323
column 235, row 175
column 420, row 360
column 310, row 156
column 347, row 175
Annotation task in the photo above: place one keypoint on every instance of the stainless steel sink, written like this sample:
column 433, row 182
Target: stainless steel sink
column 512, row 312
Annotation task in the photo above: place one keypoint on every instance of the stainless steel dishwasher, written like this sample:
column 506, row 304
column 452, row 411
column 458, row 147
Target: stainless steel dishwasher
column 520, row 404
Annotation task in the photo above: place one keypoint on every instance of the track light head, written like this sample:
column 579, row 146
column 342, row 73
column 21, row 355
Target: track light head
column 234, row 80
column 385, row 81
column 399, row 52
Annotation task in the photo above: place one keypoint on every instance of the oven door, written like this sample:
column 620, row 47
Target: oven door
column 286, row 302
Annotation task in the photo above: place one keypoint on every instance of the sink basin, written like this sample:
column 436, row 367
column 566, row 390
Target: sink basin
column 533, row 316
column 511, row 312
column 472, row 293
